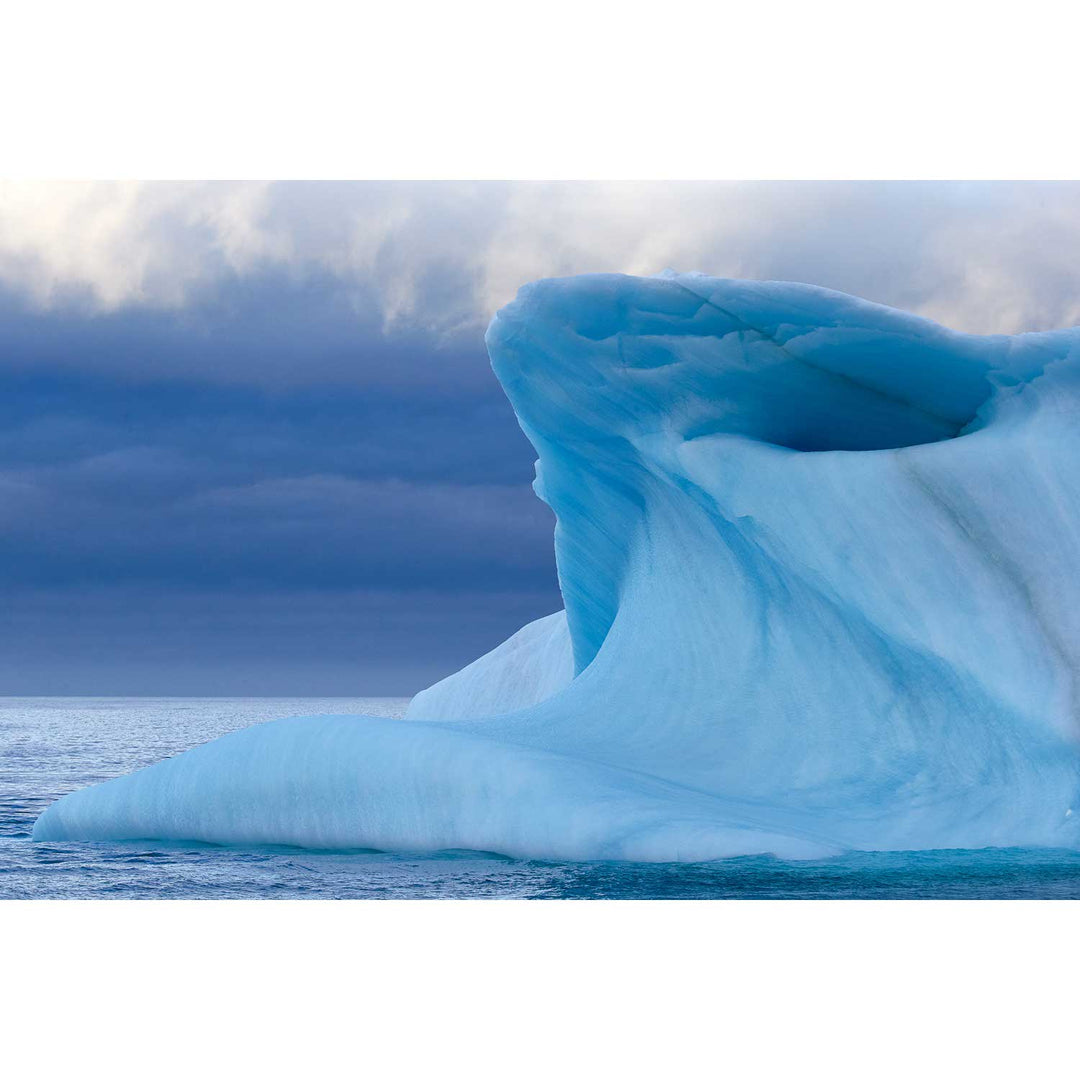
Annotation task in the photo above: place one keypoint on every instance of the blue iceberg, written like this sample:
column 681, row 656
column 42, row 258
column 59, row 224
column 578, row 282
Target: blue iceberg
column 819, row 563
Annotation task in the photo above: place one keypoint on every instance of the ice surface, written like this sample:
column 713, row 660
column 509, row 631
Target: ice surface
column 819, row 560
column 524, row 670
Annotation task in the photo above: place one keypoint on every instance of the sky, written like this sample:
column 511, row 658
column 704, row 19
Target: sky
column 250, row 442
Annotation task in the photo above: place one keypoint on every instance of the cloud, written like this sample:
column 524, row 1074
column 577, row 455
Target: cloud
column 436, row 260
column 127, row 518
column 141, row 639
column 122, row 243
column 249, row 431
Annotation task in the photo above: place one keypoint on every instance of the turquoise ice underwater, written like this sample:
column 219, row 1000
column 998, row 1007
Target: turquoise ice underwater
column 818, row 560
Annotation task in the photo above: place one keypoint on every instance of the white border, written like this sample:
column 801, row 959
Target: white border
column 570, row 89
column 542, row 989
column 554, row 91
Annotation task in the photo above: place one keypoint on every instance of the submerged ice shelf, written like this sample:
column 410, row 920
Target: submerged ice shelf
column 819, row 561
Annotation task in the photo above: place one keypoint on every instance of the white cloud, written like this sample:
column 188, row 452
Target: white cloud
column 442, row 257
column 127, row 242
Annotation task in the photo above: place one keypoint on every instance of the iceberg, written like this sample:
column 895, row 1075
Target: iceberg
column 819, row 564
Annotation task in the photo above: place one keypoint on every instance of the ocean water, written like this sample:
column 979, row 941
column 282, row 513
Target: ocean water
column 50, row 746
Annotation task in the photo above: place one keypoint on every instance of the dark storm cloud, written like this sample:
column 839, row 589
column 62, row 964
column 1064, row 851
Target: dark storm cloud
column 260, row 492
column 322, row 531
column 107, row 478
column 53, row 418
column 142, row 640
column 270, row 329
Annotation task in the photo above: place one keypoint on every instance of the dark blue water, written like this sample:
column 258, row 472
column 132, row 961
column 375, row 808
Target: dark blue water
column 49, row 746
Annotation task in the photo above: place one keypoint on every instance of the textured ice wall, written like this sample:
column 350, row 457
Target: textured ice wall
column 819, row 564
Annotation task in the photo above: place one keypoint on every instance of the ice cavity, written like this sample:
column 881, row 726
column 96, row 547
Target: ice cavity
column 819, row 565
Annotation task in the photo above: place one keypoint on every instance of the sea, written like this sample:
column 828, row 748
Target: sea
column 52, row 745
